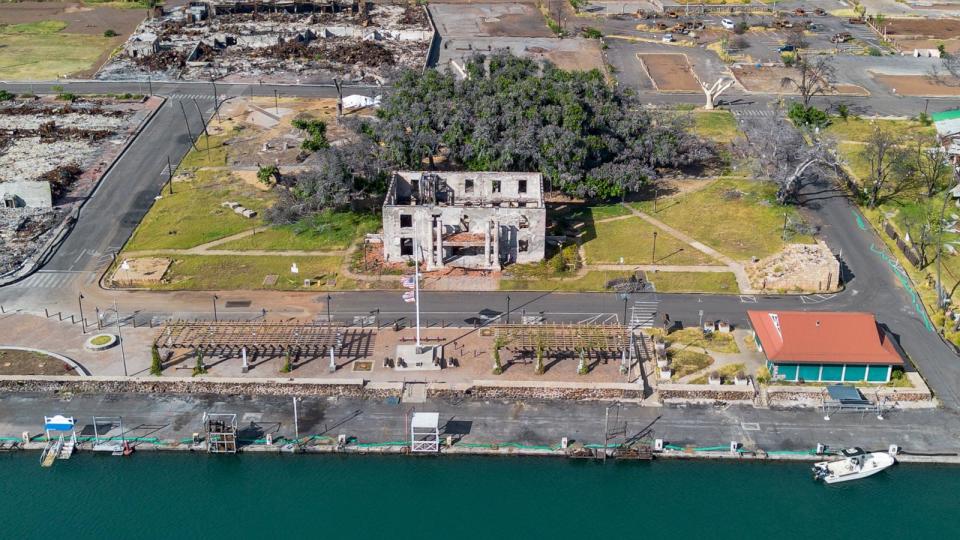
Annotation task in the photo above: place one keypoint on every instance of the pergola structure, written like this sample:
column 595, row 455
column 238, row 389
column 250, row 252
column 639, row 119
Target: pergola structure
column 604, row 341
column 231, row 337
column 563, row 337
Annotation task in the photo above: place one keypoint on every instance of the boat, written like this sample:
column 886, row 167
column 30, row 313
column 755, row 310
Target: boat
column 856, row 464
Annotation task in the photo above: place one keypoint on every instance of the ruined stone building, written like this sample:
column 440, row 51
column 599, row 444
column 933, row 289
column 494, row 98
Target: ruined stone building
column 476, row 220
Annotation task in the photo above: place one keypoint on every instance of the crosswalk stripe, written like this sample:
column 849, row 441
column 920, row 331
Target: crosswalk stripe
column 642, row 314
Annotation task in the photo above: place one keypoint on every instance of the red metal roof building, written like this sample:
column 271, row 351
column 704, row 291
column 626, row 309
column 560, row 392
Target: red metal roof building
column 823, row 346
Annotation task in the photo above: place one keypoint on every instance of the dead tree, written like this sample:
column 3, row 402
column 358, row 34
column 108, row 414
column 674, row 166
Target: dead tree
column 947, row 73
column 888, row 165
column 781, row 154
column 712, row 92
column 811, row 79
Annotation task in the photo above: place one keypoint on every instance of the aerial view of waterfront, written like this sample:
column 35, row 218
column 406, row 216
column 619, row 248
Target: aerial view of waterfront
column 480, row 269
column 154, row 495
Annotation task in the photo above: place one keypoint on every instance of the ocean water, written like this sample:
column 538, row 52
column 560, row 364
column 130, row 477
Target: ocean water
column 155, row 495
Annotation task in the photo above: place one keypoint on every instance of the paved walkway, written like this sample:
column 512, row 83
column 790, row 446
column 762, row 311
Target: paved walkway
column 207, row 249
column 743, row 281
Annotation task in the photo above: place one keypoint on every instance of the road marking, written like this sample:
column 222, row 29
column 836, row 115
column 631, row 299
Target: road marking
column 748, row 299
column 643, row 313
column 816, row 298
column 750, row 426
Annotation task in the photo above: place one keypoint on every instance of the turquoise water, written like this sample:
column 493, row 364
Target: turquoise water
column 154, row 495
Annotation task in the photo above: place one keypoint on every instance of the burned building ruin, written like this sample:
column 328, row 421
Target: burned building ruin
column 473, row 220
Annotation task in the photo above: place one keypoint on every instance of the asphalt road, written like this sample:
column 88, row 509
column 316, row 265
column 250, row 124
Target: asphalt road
column 178, row 416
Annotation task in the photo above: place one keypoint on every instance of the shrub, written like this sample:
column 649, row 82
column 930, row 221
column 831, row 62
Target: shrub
column 843, row 111
column 763, row 375
column 873, row 51
column 156, row 366
column 199, row 368
column 897, row 374
column 67, row 96
column 942, row 49
column 317, row 131
column 110, row 33
column 808, row 116
column 741, row 27
column 5, row 96
column 268, row 175
column 924, row 119
column 592, row 33
column 287, row 364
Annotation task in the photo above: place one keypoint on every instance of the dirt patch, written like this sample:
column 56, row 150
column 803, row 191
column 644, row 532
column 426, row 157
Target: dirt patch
column 506, row 19
column 932, row 28
column 80, row 19
column 670, row 72
column 769, row 80
column 917, row 85
column 141, row 271
column 16, row 362
column 583, row 56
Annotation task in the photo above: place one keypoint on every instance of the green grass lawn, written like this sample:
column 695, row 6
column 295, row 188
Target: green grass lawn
column 202, row 156
column 693, row 282
column 193, row 215
column 714, row 341
column 325, row 231
column 592, row 281
column 39, row 51
column 859, row 129
column 738, row 217
column 685, row 362
column 632, row 239
column 211, row 272
column 718, row 126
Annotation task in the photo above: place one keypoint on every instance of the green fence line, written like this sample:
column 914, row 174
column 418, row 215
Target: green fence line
column 904, row 280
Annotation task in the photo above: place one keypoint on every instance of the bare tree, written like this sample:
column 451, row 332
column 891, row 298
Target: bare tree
column 947, row 72
column 930, row 165
column 888, row 166
column 797, row 38
column 713, row 91
column 811, row 79
column 781, row 154
column 925, row 232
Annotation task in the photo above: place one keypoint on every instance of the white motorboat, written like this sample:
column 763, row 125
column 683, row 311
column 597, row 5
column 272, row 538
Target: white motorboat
column 856, row 464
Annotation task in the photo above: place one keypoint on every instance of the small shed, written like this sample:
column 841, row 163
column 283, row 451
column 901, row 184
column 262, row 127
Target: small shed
column 425, row 432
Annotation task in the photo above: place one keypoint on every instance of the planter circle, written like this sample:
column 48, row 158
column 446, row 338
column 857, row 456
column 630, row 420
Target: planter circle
column 101, row 342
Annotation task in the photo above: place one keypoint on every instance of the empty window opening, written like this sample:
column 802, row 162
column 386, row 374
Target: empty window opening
column 468, row 186
column 523, row 246
column 406, row 246
column 496, row 186
column 406, row 220
column 522, row 186
column 524, row 222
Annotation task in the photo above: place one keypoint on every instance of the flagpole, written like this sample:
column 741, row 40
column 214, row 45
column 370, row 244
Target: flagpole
column 416, row 284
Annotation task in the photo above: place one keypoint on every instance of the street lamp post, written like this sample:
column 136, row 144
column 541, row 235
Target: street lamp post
column 215, row 298
column 123, row 354
column 83, row 325
column 508, row 309
column 328, row 308
column 653, row 257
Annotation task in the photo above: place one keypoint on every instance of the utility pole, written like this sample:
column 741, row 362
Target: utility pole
column 215, row 298
column 202, row 122
column 123, row 354
column 328, row 308
column 169, row 175
column 653, row 257
column 296, row 420
column 187, row 122
column 216, row 100
column 83, row 325
column 276, row 101
column 508, row 309
column 339, row 85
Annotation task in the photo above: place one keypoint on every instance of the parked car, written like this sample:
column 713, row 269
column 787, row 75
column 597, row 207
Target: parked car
column 842, row 37
column 786, row 48
column 727, row 23
column 667, row 38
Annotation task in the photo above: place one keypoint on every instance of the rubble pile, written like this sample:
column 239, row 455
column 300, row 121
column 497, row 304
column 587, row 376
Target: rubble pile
column 48, row 142
column 23, row 231
column 353, row 42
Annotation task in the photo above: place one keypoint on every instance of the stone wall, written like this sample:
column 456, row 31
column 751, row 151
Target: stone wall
column 179, row 385
column 702, row 392
column 533, row 390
